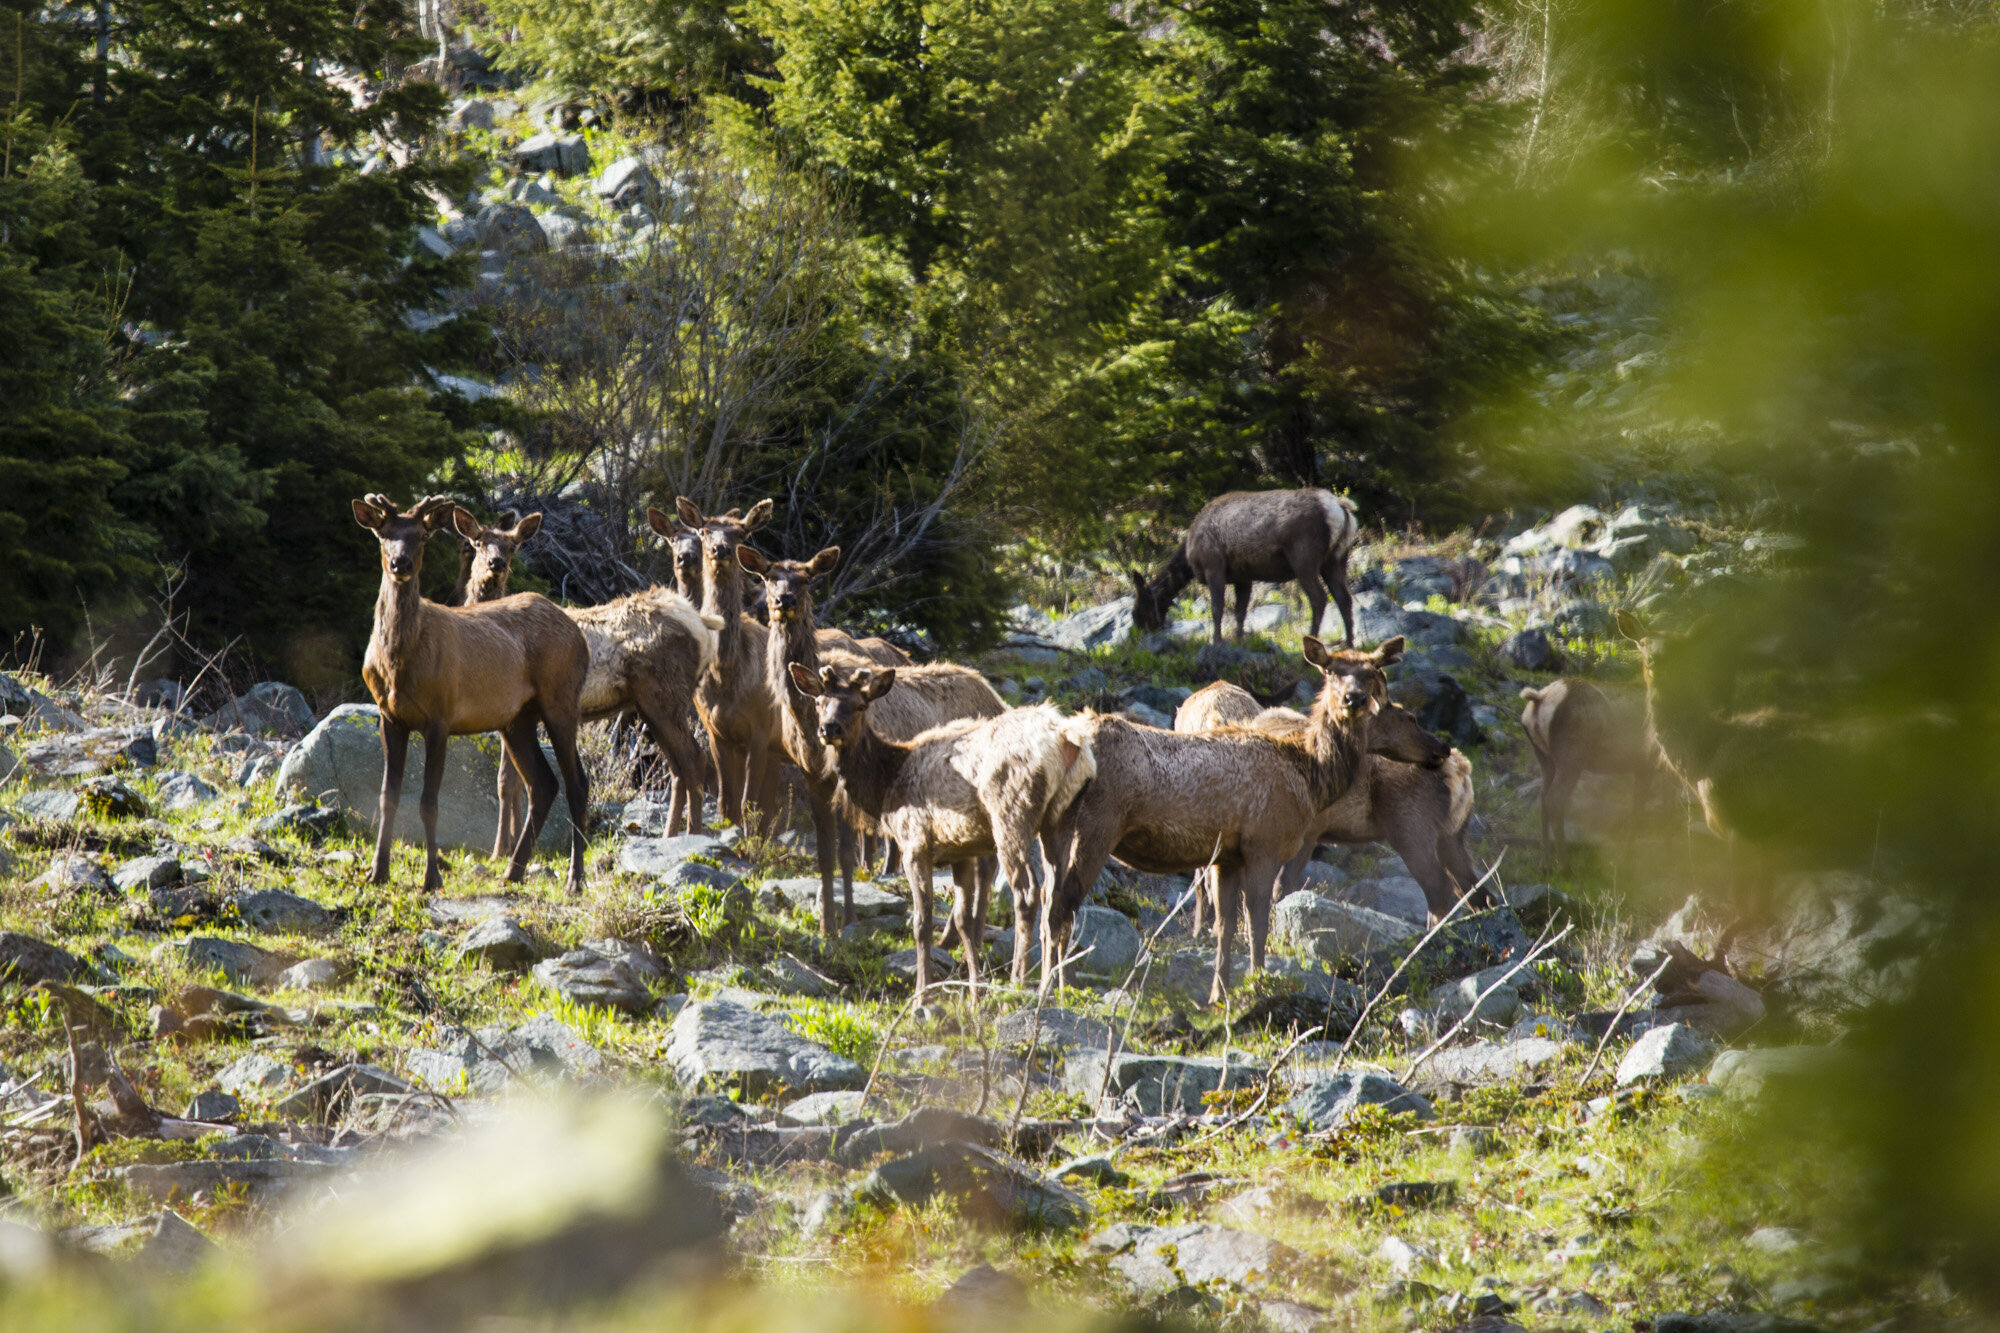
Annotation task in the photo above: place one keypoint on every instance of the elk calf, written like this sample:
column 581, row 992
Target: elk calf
column 453, row 671
column 971, row 788
column 1578, row 727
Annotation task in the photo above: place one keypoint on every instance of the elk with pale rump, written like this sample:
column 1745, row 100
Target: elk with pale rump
column 916, row 699
column 648, row 649
column 972, row 788
column 1577, row 727
column 1249, row 536
column 454, row 671
column 1239, row 799
column 1414, row 793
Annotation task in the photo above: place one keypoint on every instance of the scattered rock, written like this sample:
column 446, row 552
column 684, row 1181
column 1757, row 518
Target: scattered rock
column 76, row 874
column 1097, row 1170
column 987, row 1188
column 658, row 858
column 214, row 1106
column 91, row 753
column 277, row 911
column 1397, row 896
column 1157, row 1084
column 564, row 154
column 1154, row 1261
column 983, row 1292
column 272, row 708
column 334, row 1090
column 1377, row 618
column 790, row 976
column 1538, row 904
column 499, row 941
column 823, row 1108
column 241, row 964
column 1664, row 1053
column 1718, row 1004
column 1746, row 1073
column 1107, row 941
column 1455, row 1000
column 144, row 873
column 627, row 182
column 587, row 977
column 1256, row 1207
column 254, row 1077
column 1530, row 650
column 720, row 1040
column 1330, row 931
column 110, row 797
column 1093, row 627
column 312, row 974
column 1485, row 1063
column 1327, row 1100
column 28, row 961
column 512, row 230
column 59, row 806
column 1060, row 1030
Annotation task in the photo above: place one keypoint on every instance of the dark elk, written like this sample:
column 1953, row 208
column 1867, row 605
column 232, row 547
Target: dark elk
column 444, row 671
column 1248, row 537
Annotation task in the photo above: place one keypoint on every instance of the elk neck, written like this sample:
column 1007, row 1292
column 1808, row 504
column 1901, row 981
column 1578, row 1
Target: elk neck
column 399, row 610
column 1335, row 742
column 868, row 768
column 722, row 597
column 793, row 641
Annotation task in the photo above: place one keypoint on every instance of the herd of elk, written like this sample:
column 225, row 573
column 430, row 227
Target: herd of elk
column 928, row 757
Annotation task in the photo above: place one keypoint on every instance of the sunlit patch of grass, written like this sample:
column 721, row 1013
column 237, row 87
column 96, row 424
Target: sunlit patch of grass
column 837, row 1027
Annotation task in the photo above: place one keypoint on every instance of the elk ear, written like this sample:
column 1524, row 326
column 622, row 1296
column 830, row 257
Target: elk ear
column 527, row 527
column 1390, row 652
column 1632, row 627
column 467, row 525
column 1316, row 653
column 685, row 508
column 824, row 562
column 878, row 683
column 805, row 682
column 753, row 560
column 368, row 516
column 659, row 521
column 759, row 515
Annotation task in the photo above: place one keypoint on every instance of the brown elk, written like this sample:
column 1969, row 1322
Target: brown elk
column 647, row 651
column 973, row 788
column 921, row 698
column 1249, row 536
column 1577, row 727
column 685, row 545
column 1414, row 793
column 1239, row 799
column 486, row 554
column 454, row 671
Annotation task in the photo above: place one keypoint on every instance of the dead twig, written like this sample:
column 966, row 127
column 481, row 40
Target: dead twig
column 1539, row 948
column 1619, row 1017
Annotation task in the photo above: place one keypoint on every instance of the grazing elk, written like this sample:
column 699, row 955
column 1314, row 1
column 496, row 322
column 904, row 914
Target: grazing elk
column 1414, row 793
column 921, row 698
column 454, row 671
column 1240, row 799
column 1578, row 727
column 976, row 787
column 647, row 651
column 1249, row 536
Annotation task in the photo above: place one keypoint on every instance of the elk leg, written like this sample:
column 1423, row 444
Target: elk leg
column 1016, row 865
column 1258, row 877
column 524, row 751
column 1555, row 807
column 395, row 754
column 965, row 893
column 1228, row 902
column 670, row 733
column 1215, row 595
column 920, row 904
column 1203, row 885
column 576, row 788
column 1342, row 598
column 729, row 767
column 1242, row 606
column 1315, row 592
column 435, row 737
column 507, row 788
column 828, row 838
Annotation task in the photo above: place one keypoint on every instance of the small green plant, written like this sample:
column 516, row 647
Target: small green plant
column 836, row 1027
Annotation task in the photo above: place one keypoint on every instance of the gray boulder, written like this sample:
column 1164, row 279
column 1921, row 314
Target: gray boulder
column 280, row 912
column 715, row 1040
column 1157, row 1084
column 312, row 974
column 1392, row 895
column 985, row 1187
column 1456, row 999
column 212, row 1105
column 1328, row 1099
column 1155, row 1261
column 1327, row 930
column 1107, row 941
column 271, row 708
column 1093, row 627
column 564, row 154
column 242, row 964
column 540, row 1050
column 471, row 113
column 588, row 978
column 51, row 805
column 627, row 182
column 27, row 960
column 336, row 1089
column 1530, row 650
column 184, row 791
column 253, row 1077
column 1664, row 1053
column 823, row 1108
column 499, row 941
column 1745, row 1074
column 146, row 872
column 803, row 891
column 35, row 708
column 1377, row 618
column 341, row 760
column 1059, row 1030
column 1485, row 1063
column 77, row 874
column 657, row 858
column 96, row 751
column 510, row 230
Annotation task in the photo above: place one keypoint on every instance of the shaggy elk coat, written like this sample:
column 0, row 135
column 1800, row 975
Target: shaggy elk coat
column 1246, row 537
column 1414, row 793
column 1239, row 799
column 971, row 788
column 453, row 671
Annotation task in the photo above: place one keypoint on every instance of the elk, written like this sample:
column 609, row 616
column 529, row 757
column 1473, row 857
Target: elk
column 685, row 544
column 647, row 651
column 486, row 554
column 972, row 788
column 921, row 698
column 1414, row 793
column 454, row 671
column 1240, row 799
column 1577, row 727
column 1247, row 536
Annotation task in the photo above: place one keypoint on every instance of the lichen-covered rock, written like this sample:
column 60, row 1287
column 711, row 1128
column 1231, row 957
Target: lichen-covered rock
column 719, row 1040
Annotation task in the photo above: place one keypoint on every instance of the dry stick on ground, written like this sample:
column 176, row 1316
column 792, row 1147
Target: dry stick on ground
column 1539, row 949
column 1408, row 958
column 1114, row 1041
column 83, row 1118
column 1616, row 1018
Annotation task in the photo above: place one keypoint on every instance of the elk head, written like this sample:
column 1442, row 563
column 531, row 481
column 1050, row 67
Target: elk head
column 721, row 534
column 1359, row 680
column 1396, row 734
column 493, row 550
column 841, row 696
column 1147, row 613
column 787, row 583
column 684, row 542
column 402, row 536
